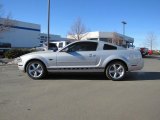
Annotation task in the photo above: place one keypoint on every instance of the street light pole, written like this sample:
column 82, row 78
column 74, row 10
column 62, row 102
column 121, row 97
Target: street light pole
column 48, row 35
column 124, row 23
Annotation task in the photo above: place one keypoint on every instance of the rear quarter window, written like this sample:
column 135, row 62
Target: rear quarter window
column 109, row 47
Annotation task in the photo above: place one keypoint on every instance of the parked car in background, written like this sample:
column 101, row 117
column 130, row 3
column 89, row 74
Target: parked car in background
column 61, row 44
column 144, row 51
column 83, row 56
column 150, row 52
column 52, row 46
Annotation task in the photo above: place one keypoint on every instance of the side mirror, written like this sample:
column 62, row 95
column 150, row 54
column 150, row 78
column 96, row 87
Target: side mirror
column 65, row 50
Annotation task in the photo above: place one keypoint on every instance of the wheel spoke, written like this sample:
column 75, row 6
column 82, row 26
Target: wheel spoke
column 39, row 71
column 119, row 68
column 38, row 66
column 35, row 74
column 33, row 66
column 115, row 75
column 31, row 72
column 111, row 71
column 120, row 73
column 114, row 66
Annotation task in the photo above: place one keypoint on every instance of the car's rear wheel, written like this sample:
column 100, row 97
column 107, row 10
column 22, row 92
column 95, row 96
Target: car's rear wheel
column 116, row 70
column 36, row 69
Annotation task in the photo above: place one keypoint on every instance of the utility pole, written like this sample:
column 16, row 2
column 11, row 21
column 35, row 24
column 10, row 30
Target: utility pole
column 124, row 23
column 48, row 35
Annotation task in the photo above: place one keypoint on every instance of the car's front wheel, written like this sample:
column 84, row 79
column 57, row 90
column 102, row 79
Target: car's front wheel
column 116, row 70
column 36, row 69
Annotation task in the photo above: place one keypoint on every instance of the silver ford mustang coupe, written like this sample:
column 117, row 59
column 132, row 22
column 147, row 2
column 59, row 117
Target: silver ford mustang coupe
column 83, row 56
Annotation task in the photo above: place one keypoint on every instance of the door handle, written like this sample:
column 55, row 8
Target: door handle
column 91, row 55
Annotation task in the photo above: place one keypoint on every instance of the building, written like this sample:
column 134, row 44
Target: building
column 111, row 37
column 20, row 34
column 25, row 35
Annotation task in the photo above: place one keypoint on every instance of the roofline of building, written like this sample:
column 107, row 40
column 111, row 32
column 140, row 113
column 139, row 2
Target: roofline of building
column 15, row 20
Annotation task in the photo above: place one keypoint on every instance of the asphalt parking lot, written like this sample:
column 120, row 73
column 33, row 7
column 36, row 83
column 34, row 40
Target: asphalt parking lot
column 81, row 96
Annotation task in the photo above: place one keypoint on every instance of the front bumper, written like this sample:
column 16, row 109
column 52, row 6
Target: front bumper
column 21, row 67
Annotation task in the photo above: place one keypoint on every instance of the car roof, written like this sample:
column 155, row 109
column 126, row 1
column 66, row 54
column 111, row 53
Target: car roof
column 102, row 42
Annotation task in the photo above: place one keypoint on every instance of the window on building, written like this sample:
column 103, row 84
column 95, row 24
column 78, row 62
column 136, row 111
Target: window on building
column 5, row 45
column 41, row 41
column 60, row 45
column 109, row 47
column 106, row 40
column 42, row 37
column 92, row 39
column 68, row 43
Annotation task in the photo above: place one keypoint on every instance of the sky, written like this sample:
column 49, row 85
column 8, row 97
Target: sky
column 142, row 16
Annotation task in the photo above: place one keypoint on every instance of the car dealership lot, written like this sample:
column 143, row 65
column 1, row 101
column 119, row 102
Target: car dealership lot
column 81, row 96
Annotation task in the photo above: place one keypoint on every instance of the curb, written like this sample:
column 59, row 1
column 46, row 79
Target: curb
column 8, row 62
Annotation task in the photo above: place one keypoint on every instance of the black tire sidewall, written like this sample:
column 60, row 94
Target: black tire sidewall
column 43, row 67
column 108, row 67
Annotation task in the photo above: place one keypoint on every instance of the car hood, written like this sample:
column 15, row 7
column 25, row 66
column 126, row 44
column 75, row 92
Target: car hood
column 40, row 53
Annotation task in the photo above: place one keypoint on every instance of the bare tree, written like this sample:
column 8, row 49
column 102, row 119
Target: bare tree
column 151, row 40
column 5, row 22
column 78, row 30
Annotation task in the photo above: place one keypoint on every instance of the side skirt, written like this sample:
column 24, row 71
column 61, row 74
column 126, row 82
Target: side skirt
column 75, row 69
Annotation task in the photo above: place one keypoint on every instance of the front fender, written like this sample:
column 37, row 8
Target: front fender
column 29, row 58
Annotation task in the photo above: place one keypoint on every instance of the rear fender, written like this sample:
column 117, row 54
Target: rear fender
column 114, row 58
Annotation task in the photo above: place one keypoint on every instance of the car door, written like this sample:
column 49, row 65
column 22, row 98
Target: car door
column 79, row 54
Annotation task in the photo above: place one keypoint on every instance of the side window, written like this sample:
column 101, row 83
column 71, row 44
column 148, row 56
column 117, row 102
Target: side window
column 109, row 47
column 87, row 46
column 81, row 46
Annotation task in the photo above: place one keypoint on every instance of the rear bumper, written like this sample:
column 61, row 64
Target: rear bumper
column 139, row 66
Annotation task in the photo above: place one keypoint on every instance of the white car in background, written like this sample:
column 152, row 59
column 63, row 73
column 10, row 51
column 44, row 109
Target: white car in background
column 52, row 46
column 83, row 56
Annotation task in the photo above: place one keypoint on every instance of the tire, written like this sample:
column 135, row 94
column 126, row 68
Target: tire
column 115, row 71
column 36, row 69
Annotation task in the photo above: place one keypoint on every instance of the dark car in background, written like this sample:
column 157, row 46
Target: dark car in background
column 144, row 51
